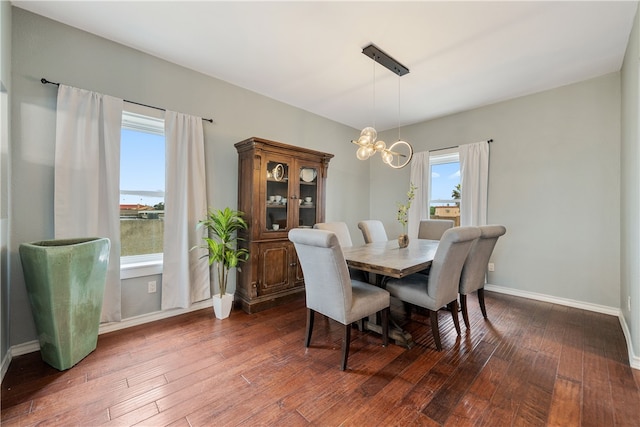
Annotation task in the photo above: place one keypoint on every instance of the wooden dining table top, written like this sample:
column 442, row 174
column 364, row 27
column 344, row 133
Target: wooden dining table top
column 388, row 259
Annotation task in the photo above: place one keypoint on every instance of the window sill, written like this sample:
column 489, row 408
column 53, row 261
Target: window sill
column 140, row 269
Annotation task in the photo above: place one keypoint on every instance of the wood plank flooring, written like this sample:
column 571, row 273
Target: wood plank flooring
column 532, row 363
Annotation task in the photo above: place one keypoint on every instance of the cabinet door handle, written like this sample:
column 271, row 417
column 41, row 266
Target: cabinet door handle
column 293, row 264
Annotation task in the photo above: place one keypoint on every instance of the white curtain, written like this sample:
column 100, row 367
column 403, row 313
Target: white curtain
column 87, row 178
column 474, row 179
column 420, row 206
column 185, row 276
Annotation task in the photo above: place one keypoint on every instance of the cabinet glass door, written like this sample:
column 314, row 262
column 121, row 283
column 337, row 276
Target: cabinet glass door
column 277, row 195
column 308, row 196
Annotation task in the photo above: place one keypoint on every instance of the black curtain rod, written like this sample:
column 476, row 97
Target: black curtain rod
column 45, row 81
column 489, row 141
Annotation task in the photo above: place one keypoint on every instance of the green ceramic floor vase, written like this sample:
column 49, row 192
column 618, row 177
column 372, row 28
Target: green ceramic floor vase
column 65, row 282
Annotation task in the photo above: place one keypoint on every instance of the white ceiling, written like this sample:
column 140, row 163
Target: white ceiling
column 461, row 55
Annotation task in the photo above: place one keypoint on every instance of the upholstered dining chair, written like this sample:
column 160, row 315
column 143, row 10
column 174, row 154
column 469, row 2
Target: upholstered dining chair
column 440, row 287
column 340, row 228
column 432, row 229
column 475, row 267
column 344, row 238
column 330, row 291
column 373, row 231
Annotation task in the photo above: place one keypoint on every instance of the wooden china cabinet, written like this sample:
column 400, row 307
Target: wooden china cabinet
column 280, row 187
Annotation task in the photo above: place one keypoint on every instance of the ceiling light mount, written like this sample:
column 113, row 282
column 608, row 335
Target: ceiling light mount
column 382, row 58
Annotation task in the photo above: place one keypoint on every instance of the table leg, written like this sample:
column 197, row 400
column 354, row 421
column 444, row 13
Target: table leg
column 396, row 333
column 400, row 337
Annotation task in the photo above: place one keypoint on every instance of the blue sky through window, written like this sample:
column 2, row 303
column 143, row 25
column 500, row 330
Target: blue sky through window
column 444, row 178
column 142, row 164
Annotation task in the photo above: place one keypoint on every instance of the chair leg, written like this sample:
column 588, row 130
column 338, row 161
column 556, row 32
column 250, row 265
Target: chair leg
column 385, row 326
column 346, row 342
column 453, row 307
column 310, row 315
column 433, row 317
column 465, row 314
column 481, row 301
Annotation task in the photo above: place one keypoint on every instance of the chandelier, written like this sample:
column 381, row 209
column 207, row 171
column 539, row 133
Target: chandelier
column 399, row 154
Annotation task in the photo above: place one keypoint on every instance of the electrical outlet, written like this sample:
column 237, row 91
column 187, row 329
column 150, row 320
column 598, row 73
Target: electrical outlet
column 629, row 302
column 151, row 286
column 491, row 267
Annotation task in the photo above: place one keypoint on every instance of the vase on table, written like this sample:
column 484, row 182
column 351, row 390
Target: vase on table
column 403, row 240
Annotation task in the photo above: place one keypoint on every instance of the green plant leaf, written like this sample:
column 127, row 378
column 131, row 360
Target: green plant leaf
column 222, row 241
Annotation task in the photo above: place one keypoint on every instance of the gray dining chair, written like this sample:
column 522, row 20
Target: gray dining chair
column 432, row 229
column 373, row 231
column 329, row 289
column 344, row 238
column 474, row 270
column 340, row 228
column 440, row 287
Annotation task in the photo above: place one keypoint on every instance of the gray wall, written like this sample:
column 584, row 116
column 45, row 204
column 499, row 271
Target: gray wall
column 137, row 300
column 44, row 48
column 630, row 187
column 554, row 182
column 5, row 119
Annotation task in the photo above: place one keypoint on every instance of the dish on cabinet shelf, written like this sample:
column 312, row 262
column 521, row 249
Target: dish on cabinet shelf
column 307, row 174
column 278, row 172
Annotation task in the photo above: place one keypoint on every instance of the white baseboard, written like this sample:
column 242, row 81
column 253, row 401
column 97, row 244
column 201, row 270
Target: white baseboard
column 634, row 360
column 152, row 317
column 24, row 348
column 33, row 346
column 5, row 363
column 612, row 311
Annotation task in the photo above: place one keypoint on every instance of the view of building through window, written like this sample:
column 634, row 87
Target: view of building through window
column 142, row 184
column 444, row 200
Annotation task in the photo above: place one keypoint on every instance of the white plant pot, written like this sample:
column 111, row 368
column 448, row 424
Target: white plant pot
column 222, row 306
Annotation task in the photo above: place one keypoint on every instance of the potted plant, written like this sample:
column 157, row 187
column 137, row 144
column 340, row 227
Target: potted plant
column 222, row 243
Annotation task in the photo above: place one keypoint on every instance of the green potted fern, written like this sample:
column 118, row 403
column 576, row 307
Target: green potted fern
column 222, row 243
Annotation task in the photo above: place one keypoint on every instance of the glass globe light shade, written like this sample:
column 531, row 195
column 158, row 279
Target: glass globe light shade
column 364, row 140
column 362, row 153
column 370, row 149
column 387, row 157
column 379, row 145
column 371, row 132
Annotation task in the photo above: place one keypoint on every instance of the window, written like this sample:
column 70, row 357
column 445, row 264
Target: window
column 444, row 185
column 142, row 184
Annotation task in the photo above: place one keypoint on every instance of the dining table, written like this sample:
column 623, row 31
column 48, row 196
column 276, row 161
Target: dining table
column 387, row 259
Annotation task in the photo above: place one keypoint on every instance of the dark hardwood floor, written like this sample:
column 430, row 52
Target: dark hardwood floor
column 531, row 363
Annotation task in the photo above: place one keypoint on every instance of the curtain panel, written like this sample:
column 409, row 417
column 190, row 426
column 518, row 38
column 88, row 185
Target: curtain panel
column 474, row 180
column 87, row 178
column 419, row 209
column 185, row 278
